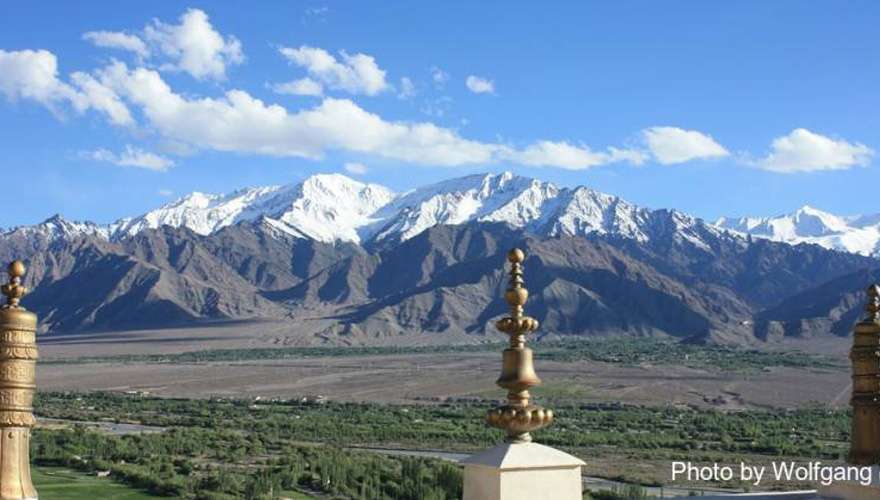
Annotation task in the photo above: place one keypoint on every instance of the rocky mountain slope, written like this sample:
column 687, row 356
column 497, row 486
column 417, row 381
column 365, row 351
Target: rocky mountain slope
column 347, row 262
column 833, row 307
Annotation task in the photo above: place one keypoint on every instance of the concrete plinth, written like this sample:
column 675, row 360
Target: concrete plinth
column 854, row 491
column 522, row 471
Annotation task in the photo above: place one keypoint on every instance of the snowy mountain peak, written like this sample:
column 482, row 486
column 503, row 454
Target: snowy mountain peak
column 331, row 207
column 860, row 234
column 195, row 199
column 503, row 197
column 585, row 211
column 57, row 227
column 331, row 188
column 809, row 221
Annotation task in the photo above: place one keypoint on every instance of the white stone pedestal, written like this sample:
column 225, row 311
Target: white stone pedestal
column 522, row 471
column 853, row 491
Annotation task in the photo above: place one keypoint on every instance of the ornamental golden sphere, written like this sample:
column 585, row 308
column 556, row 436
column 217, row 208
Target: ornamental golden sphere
column 16, row 269
column 516, row 296
column 516, row 256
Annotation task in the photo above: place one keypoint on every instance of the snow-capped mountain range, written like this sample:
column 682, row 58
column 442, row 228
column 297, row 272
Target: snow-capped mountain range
column 334, row 208
column 362, row 261
column 855, row 234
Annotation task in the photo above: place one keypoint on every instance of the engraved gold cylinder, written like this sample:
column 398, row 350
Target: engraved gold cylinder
column 865, row 357
column 18, row 357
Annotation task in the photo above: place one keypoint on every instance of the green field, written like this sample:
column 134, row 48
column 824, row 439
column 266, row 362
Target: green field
column 59, row 483
column 222, row 448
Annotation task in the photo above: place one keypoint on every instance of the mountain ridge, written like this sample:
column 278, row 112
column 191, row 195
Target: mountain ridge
column 427, row 262
column 373, row 214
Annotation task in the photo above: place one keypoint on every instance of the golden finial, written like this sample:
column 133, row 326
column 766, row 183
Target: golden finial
column 518, row 417
column 14, row 290
column 18, row 357
column 872, row 307
column 864, row 447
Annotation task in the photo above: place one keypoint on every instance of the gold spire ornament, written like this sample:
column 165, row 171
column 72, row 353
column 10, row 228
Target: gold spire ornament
column 18, row 357
column 865, row 355
column 518, row 417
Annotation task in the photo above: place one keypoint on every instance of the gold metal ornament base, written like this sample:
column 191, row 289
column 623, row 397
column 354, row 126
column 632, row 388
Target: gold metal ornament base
column 518, row 417
column 18, row 357
column 15, row 476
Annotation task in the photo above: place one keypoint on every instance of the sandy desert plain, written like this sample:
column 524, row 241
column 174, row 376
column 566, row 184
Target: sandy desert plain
column 131, row 361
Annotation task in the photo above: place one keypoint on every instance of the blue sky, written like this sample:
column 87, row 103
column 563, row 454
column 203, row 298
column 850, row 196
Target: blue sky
column 746, row 108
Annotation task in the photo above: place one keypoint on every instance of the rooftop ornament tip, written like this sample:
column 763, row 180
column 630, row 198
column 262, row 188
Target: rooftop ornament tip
column 519, row 417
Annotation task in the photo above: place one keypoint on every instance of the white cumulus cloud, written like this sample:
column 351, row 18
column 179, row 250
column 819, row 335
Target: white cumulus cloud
column 131, row 157
column 194, row 46
column 806, row 151
column 355, row 168
column 480, row 85
column 239, row 122
column 118, row 40
column 94, row 94
column 355, row 74
column 236, row 121
column 33, row 74
column 672, row 145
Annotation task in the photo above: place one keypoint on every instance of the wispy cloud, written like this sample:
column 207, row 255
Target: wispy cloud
column 356, row 168
column 436, row 107
column 572, row 157
column 118, row 40
column 439, row 77
column 316, row 11
column 130, row 157
column 407, row 88
column 303, row 86
column 316, row 14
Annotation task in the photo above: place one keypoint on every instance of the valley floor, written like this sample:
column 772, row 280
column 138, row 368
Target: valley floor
column 232, row 363
column 627, row 407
